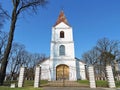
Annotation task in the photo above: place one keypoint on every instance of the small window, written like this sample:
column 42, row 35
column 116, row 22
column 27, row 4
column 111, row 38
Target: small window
column 61, row 34
column 62, row 50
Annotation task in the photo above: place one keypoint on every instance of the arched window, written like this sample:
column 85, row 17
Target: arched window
column 61, row 34
column 62, row 50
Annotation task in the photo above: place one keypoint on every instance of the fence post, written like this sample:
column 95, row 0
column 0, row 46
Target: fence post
column 91, row 77
column 21, row 77
column 37, row 77
column 110, row 77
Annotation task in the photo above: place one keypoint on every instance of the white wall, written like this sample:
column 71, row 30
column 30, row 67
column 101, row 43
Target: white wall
column 67, row 41
column 81, row 74
column 48, row 68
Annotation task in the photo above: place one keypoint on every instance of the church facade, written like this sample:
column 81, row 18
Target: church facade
column 62, row 63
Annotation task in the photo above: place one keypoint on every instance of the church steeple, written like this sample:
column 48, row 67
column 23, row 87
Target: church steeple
column 61, row 18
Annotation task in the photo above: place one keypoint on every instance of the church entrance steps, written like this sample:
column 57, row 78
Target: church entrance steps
column 65, row 83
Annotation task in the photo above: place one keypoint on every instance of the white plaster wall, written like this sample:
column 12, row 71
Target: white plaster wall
column 69, row 50
column 45, row 70
column 67, row 31
column 80, row 66
column 82, row 71
column 48, row 69
column 67, row 41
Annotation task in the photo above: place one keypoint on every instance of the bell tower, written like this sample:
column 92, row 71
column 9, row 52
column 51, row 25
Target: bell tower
column 62, row 44
column 62, row 50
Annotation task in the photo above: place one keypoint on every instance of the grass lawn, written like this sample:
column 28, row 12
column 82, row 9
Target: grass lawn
column 28, row 85
column 117, row 84
column 100, row 83
column 86, row 82
column 24, row 88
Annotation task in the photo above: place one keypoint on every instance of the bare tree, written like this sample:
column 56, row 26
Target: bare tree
column 34, row 60
column 1, row 17
column 110, row 53
column 105, row 52
column 20, row 57
column 3, row 41
column 18, row 7
column 15, row 59
column 91, row 57
column 109, row 49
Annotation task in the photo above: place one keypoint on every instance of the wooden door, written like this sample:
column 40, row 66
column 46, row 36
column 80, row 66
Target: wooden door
column 62, row 72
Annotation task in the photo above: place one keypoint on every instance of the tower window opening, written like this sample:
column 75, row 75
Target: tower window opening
column 62, row 50
column 61, row 34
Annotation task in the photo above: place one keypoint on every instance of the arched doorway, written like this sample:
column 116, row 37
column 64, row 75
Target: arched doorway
column 62, row 72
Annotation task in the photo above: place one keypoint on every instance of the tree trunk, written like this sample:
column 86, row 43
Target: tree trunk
column 8, row 47
column 25, row 4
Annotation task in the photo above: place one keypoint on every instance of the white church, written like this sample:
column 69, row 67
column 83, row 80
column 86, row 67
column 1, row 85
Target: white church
column 62, row 63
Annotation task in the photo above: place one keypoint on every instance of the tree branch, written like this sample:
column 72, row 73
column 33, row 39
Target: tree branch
column 32, row 3
column 3, row 12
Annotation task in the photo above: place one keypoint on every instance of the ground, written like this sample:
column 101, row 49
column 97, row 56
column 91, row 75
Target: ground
column 55, row 88
column 75, row 88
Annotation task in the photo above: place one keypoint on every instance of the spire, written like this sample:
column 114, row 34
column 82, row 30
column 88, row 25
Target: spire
column 61, row 18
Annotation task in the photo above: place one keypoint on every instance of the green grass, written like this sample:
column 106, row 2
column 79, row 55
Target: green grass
column 100, row 83
column 117, row 83
column 7, row 83
column 28, row 85
column 86, row 82
column 43, row 81
column 24, row 88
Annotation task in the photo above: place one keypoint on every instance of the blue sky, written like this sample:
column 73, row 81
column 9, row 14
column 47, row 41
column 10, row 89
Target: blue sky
column 91, row 20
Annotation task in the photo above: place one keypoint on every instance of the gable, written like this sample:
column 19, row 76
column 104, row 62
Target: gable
column 62, row 25
column 80, row 62
column 45, row 62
